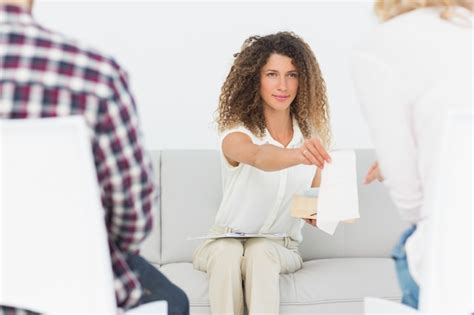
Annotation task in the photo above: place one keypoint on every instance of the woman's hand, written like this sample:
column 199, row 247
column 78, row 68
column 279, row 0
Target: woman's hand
column 373, row 174
column 313, row 152
column 312, row 222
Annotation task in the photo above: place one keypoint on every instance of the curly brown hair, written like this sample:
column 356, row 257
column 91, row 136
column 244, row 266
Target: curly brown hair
column 240, row 101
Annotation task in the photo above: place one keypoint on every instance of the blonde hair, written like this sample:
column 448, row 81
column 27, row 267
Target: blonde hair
column 387, row 9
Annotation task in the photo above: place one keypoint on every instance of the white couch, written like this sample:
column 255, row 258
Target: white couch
column 339, row 270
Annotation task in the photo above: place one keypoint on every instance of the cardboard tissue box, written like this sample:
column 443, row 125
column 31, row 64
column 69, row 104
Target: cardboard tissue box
column 304, row 205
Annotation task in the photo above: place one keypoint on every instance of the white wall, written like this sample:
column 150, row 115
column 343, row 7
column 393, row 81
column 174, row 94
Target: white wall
column 178, row 54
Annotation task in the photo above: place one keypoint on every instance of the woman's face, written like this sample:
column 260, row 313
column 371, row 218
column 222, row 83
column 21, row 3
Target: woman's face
column 278, row 83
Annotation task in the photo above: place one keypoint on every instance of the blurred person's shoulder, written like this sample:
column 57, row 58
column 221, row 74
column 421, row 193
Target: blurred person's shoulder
column 88, row 68
column 419, row 22
column 396, row 28
column 408, row 34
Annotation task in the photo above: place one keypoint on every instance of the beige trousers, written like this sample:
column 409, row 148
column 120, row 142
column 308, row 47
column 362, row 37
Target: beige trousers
column 258, row 262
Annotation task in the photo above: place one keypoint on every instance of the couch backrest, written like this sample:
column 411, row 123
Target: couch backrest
column 191, row 190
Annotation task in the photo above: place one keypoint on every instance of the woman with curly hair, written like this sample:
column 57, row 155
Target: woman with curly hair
column 274, row 124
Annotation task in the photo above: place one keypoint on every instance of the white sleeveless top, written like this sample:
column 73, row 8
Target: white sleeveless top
column 256, row 201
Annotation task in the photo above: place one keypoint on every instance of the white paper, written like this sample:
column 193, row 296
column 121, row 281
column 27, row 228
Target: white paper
column 237, row 235
column 338, row 196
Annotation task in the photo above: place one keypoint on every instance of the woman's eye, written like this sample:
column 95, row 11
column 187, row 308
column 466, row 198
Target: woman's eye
column 271, row 74
column 293, row 75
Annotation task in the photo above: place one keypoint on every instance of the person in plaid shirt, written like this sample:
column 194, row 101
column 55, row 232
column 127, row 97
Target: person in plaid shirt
column 43, row 74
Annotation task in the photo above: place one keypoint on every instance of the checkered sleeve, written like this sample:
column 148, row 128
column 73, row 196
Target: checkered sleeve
column 127, row 287
column 124, row 171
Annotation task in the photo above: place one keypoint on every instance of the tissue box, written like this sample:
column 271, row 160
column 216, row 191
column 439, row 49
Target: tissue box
column 304, row 207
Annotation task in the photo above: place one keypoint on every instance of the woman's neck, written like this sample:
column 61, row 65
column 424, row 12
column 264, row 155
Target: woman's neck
column 280, row 126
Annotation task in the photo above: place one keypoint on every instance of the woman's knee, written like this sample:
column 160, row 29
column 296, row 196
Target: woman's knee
column 226, row 252
column 228, row 248
column 217, row 251
column 260, row 248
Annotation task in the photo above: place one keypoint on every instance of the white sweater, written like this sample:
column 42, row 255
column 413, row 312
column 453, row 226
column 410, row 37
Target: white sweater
column 407, row 74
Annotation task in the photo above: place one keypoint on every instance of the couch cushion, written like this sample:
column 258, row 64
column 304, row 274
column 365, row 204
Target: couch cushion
column 151, row 247
column 340, row 280
column 191, row 192
column 329, row 285
column 195, row 283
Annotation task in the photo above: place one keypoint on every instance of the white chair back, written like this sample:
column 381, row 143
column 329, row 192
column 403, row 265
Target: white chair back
column 54, row 256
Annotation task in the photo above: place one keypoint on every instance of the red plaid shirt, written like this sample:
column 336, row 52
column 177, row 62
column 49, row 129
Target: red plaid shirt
column 44, row 74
